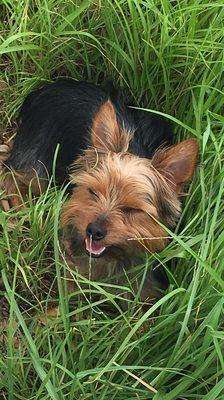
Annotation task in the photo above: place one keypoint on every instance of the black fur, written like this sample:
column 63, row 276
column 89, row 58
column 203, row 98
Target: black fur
column 62, row 113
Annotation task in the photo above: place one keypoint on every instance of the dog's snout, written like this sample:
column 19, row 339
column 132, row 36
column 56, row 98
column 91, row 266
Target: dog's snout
column 96, row 231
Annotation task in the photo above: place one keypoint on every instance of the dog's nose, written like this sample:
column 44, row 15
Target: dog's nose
column 96, row 231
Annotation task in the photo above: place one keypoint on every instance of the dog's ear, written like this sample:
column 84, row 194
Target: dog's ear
column 105, row 133
column 177, row 163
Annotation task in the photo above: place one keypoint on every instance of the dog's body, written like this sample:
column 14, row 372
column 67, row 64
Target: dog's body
column 122, row 185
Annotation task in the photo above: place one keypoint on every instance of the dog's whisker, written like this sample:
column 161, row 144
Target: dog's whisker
column 159, row 237
column 150, row 238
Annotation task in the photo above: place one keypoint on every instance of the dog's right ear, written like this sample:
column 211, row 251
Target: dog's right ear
column 106, row 135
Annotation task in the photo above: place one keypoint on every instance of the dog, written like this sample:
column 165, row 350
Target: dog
column 125, row 174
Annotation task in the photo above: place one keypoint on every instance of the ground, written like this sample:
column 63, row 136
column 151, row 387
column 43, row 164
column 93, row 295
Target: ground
column 170, row 56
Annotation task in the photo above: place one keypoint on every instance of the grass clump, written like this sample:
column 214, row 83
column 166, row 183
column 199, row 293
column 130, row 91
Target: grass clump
column 170, row 56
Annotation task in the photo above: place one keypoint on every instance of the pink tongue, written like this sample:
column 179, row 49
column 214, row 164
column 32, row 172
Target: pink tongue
column 94, row 247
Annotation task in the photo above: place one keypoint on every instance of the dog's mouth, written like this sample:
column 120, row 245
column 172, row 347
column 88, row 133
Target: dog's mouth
column 94, row 248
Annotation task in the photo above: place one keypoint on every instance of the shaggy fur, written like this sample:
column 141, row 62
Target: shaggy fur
column 124, row 183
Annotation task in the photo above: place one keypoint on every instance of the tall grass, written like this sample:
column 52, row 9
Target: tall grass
column 170, row 56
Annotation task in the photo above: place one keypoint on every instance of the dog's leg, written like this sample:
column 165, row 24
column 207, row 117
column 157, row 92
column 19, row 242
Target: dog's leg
column 12, row 195
column 5, row 185
column 14, row 186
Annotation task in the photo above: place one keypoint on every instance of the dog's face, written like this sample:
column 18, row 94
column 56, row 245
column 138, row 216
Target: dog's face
column 119, row 198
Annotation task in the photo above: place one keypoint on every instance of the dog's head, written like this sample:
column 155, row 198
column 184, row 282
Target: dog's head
column 119, row 197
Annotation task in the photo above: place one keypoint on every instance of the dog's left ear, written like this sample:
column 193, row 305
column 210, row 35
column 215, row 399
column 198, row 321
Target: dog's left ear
column 105, row 133
column 177, row 163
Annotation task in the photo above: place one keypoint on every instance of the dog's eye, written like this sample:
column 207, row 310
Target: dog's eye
column 129, row 209
column 91, row 191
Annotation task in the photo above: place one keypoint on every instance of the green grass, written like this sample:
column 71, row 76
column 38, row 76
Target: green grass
column 170, row 56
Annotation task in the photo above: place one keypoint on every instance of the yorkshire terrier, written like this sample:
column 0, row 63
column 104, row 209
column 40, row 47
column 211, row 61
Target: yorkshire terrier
column 126, row 177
